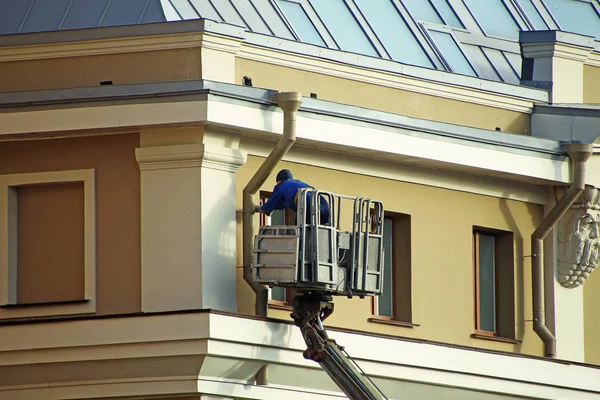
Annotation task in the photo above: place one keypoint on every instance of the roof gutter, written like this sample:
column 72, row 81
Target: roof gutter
column 289, row 102
column 579, row 154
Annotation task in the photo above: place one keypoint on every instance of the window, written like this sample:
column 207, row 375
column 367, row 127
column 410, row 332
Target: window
column 494, row 18
column 450, row 50
column 278, row 296
column 392, row 31
column 494, row 283
column 395, row 302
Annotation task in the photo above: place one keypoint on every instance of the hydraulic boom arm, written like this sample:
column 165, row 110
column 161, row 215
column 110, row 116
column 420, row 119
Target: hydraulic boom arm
column 309, row 310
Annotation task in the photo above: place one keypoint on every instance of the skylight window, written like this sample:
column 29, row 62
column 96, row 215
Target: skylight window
column 392, row 31
column 576, row 16
column 300, row 22
column 451, row 52
column 493, row 18
column 343, row 26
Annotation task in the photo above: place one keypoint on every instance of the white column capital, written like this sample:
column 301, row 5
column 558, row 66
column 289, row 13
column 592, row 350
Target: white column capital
column 558, row 50
column 193, row 155
column 572, row 46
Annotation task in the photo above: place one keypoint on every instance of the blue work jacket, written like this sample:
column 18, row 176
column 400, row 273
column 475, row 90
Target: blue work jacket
column 284, row 197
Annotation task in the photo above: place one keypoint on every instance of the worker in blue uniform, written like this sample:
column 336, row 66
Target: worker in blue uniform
column 285, row 195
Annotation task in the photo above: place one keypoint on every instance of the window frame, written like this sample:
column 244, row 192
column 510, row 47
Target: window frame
column 478, row 330
column 428, row 26
column 504, row 284
column 375, row 300
column 401, row 274
column 9, row 308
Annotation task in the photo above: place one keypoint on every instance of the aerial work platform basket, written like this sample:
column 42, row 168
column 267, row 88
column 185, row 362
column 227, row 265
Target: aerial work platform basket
column 316, row 254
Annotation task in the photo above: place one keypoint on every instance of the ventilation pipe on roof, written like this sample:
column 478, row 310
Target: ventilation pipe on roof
column 289, row 102
column 579, row 154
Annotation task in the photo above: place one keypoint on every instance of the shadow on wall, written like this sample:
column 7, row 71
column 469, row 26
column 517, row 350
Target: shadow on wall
column 519, row 258
column 218, row 239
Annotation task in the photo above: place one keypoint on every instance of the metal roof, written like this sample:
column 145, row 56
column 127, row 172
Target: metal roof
column 25, row 16
column 467, row 37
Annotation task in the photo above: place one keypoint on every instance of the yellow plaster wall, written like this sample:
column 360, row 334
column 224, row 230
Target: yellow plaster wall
column 381, row 98
column 68, row 72
column 591, row 84
column 117, row 179
column 442, row 264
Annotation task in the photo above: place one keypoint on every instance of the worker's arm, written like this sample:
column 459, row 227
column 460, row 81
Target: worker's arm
column 275, row 202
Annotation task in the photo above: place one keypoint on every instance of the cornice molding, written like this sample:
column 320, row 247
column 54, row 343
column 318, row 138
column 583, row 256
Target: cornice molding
column 189, row 156
column 147, row 344
column 559, row 50
column 593, row 59
column 222, row 43
column 121, row 45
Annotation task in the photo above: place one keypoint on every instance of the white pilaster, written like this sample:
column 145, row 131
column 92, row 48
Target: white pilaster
column 188, row 224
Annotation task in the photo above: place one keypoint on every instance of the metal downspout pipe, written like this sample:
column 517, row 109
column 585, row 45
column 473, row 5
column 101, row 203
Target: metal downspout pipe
column 579, row 154
column 289, row 102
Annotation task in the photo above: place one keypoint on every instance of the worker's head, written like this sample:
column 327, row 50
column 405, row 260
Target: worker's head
column 284, row 175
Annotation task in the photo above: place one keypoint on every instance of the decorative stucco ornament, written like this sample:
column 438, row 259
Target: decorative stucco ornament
column 578, row 242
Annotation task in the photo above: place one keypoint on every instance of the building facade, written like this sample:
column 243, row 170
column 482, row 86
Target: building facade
column 128, row 132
